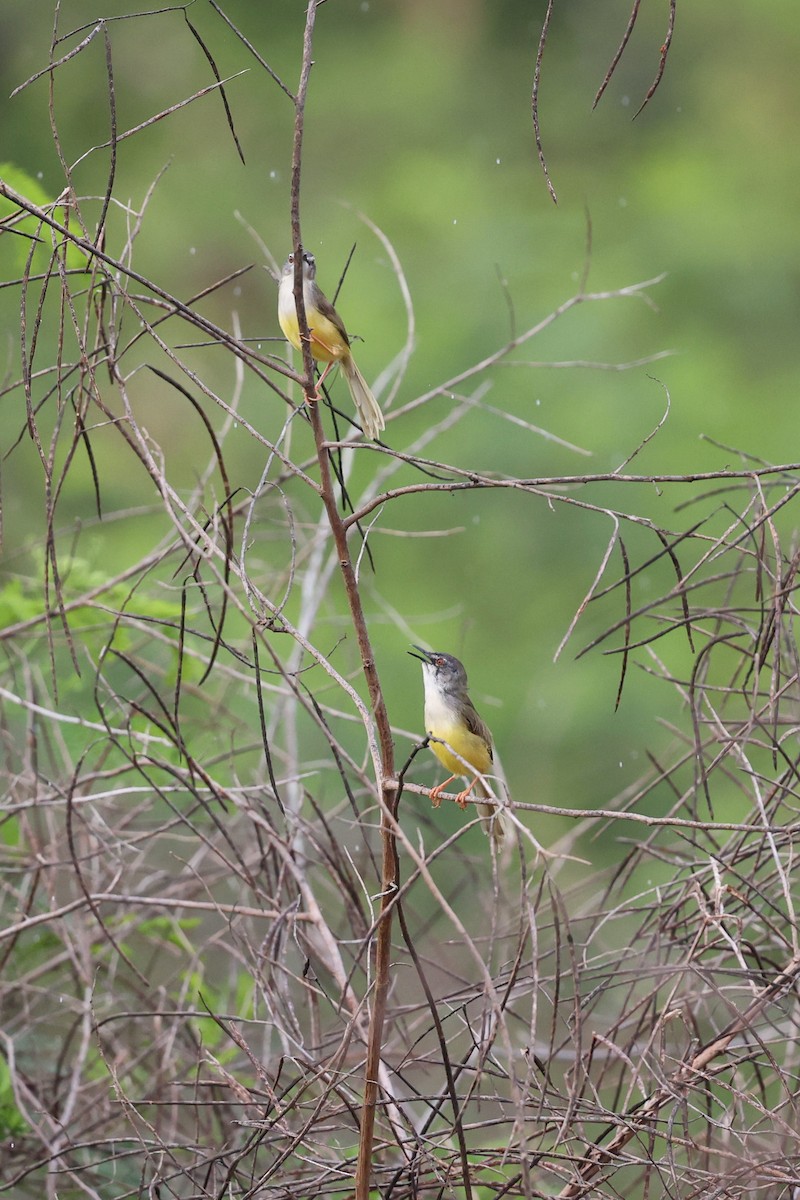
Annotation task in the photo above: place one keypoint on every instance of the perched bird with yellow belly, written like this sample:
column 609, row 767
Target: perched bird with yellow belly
column 329, row 340
column 460, row 738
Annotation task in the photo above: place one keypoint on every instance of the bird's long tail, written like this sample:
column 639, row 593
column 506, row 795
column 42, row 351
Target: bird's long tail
column 492, row 818
column 366, row 404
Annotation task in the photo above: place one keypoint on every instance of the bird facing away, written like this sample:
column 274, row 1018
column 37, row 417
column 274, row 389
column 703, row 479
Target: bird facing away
column 329, row 340
column 460, row 738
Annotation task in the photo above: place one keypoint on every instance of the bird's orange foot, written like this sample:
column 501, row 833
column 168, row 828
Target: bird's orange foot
column 436, row 792
column 461, row 798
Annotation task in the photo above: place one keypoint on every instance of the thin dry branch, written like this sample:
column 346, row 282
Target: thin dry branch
column 213, row 799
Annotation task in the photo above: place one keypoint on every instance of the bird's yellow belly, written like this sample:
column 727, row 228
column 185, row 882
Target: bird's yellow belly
column 466, row 745
column 327, row 343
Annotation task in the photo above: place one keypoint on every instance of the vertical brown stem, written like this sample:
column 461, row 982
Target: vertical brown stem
column 387, row 781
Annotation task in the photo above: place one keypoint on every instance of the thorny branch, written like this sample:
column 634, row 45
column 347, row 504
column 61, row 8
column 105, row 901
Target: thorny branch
column 613, row 1014
column 615, row 61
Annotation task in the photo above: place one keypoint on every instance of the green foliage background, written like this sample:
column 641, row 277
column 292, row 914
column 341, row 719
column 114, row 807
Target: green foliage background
column 419, row 116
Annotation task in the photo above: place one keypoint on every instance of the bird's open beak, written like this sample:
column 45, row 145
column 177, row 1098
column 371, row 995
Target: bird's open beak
column 422, row 655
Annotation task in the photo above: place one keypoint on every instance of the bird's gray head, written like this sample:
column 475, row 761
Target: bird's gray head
column 442, row 671
column 309, row 265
